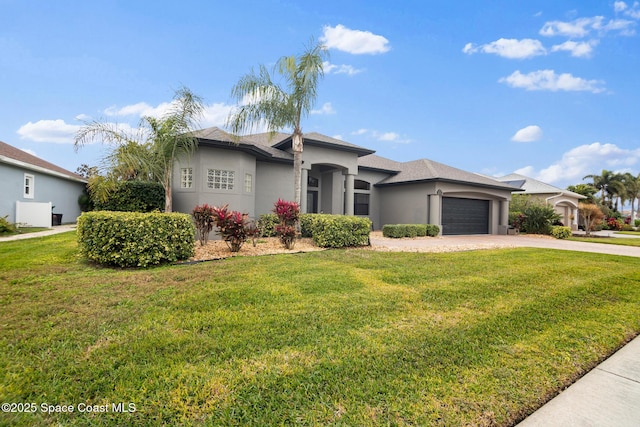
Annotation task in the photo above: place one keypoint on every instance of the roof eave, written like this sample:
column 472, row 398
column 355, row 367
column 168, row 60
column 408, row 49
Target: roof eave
column 40, row 169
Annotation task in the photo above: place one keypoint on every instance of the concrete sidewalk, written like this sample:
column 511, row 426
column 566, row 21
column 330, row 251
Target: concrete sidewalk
column 607, row 396
column 55, row 230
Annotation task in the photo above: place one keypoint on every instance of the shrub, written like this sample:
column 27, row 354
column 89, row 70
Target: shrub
column 627, row 227
column 267, row 224
column 131, row 239
column 591, row 215
column 433, row 230
column 404, row 230
column 203, row 217
column 339, row 231
column 637, row 222
column 539, row 218
column 133, row 196
column 233, row 226
column 614, row 224
column 289, row 214
column 561, row 232
column 6, row 227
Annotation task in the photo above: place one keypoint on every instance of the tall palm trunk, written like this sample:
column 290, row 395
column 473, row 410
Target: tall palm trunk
column 297, row 166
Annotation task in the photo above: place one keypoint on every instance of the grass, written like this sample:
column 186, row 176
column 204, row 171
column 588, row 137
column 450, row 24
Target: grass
column 608, row 240
column 327, row 338
column 24, row 230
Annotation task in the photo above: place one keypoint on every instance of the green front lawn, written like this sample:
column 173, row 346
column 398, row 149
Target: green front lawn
column 327, row 338
column 608, row 240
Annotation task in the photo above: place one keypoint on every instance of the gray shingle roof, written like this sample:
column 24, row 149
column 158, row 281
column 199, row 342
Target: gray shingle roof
column 378, row 163
column 15, row 156
column 255, row 144
column 428, row 170
column 318, row 139
column 533, row 186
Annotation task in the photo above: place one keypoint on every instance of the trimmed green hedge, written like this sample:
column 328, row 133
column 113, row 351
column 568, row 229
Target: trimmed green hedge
column 267, row 224
column 337, row 231
column 561, row 232
column 327, row 231
column 132, row 239
column 410, row 230
column 134, row 196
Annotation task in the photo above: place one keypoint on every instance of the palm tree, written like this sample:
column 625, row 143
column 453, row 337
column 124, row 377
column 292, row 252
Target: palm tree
column 150, row 152
column 608, row 183
column 632, row 187
column 280, row 106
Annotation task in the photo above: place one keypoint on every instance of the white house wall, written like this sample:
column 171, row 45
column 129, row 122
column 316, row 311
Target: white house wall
column 62, row 193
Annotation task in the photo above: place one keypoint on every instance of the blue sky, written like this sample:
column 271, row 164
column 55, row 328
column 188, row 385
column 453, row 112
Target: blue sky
column 550, row 89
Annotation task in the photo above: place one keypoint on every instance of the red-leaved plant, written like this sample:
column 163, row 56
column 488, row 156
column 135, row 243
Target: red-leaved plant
column 203, row 216
column 232, row 226
column 289, row 215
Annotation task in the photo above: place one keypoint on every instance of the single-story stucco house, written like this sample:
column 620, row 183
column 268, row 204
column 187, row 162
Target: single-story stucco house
column 250, row 173
column 32, row 187
column 564, row 202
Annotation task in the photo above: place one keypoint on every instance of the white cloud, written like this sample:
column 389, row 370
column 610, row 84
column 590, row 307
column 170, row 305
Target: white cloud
column 215, row 115
column 619, row 6
column 577, row 49
column 528, row 134
column 584, row 160
column 633, row 11
column 389, row 136
column 356, row 42
column 509, row 48
column 382, row 136
column 56, row 131
column 138, row 110
column 577, row 28
column 549, row 80
column 325, row 109
column 349, row 70
column 582, row 27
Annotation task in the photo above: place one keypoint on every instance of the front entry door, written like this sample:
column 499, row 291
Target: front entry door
column 312, row 202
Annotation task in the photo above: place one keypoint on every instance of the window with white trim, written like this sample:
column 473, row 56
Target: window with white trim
column 248, row 183
column 218, row 179
column 186, row 177
column 29, row 186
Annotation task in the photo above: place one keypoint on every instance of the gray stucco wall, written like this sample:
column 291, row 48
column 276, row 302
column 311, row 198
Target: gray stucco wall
column 62, row 193
column 205, row 158
column 410, row 203
column 275, row 181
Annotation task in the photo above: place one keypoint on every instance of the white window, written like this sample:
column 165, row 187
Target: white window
column 186, row 177
column 220, row 179
column 248, row 183
column 29, row 186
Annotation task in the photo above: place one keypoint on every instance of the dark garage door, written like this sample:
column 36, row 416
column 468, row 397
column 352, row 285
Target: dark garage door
column 465, row 216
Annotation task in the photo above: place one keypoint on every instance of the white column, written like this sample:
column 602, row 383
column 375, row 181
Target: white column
column 348, row 194
column 303, row 190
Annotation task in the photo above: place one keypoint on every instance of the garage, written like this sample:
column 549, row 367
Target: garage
column 464, row 216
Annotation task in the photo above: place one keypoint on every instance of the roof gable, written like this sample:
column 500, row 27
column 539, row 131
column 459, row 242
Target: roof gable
column 15, row 156
column 428, row 170
column 533, row 186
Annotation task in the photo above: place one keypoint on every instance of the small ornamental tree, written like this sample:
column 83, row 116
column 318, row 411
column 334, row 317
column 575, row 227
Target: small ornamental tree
column 231, row 226
column 289, row 216
column 203, row 216
column 592, row 216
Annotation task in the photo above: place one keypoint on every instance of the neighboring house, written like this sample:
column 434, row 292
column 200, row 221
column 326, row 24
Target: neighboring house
column 31, row 187
column 250, row 174
column 564, row 202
